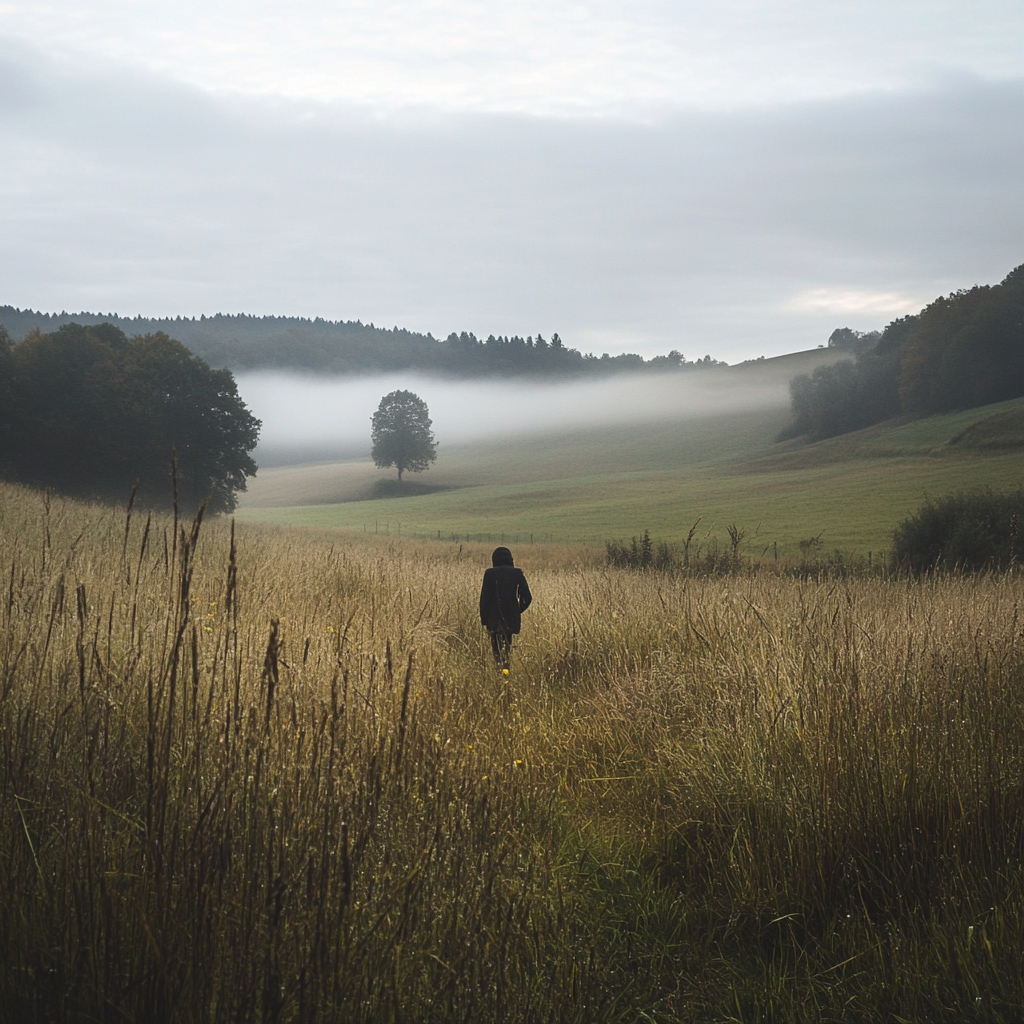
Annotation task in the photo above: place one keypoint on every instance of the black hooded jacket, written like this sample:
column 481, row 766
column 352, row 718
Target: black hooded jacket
column 504, row 595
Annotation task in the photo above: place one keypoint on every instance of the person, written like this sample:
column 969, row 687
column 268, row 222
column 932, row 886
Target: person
column 504, row 596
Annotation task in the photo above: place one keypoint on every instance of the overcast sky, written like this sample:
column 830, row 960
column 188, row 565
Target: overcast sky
column 735, row 178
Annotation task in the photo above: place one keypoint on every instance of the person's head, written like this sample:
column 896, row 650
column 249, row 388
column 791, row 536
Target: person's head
column 501, row 556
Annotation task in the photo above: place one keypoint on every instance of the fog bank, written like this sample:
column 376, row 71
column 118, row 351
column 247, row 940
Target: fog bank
column 318, row 417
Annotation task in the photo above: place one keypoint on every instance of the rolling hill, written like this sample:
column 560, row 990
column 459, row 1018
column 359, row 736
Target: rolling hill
column 612, row 482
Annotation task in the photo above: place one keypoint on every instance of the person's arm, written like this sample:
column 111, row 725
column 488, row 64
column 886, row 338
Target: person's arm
column 525, row 597
column 486, row 598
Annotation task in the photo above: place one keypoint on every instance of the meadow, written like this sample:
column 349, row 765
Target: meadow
column 613, row 482
column 257, row 773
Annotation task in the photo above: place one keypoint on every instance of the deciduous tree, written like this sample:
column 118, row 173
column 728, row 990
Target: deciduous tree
column 401, row 434
column 94, row 411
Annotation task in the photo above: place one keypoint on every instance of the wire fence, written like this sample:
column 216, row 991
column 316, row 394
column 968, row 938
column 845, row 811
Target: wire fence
column 389, row 528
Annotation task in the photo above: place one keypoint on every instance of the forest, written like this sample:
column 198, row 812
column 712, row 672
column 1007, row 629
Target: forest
column 242, row 342
column 961, row 351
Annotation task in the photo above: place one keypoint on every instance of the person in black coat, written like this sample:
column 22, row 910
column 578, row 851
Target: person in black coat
column 504, row 596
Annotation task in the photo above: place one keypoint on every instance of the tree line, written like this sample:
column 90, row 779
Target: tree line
column 961, row 351
column 87, row 410
column 244, row 342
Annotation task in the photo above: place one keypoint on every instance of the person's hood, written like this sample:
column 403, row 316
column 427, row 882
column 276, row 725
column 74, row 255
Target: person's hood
column 501, row 556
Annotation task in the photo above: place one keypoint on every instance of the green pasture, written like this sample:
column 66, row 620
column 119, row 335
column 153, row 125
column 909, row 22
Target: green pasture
column 613, row 483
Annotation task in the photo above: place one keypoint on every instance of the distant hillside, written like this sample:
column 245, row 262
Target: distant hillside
column 999, row 431
column 960, row 352
column 243, row 342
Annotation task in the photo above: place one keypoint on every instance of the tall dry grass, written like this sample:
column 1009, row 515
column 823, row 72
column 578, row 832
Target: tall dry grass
column 271, row 775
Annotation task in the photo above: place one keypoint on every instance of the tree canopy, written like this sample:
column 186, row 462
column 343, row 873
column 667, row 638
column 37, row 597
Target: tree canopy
column 401, row 434
column 244, row 342
column 6, row 394
column 960, row 351
column 91, row 411
column 967, row 350
column 851, row 341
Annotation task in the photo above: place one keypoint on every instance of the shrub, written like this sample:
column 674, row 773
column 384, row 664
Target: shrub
column 637, row 555
column 968, row 530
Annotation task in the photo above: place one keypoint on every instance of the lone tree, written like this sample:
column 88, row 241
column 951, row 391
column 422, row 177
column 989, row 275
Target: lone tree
column 401, row 434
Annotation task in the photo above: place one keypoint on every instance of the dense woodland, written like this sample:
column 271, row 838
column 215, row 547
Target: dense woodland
column 961, row 351
column 244, row 342
column 89, row 411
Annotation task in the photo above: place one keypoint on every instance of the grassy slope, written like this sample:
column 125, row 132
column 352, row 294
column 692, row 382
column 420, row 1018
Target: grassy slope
column 261, row 776
column 617, row 481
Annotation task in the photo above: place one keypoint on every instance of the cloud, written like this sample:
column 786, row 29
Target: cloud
column 848, row 301
column 539, row 57
column 122, row 191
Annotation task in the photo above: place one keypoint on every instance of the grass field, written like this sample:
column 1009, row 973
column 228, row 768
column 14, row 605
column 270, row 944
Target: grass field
column 271, row 775
column 614, row 482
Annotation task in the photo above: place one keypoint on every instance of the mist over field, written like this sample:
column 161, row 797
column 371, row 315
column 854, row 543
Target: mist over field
column 307, row 417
